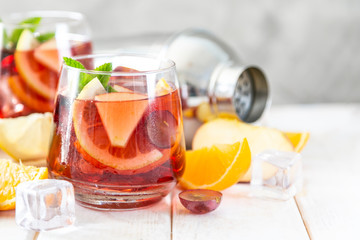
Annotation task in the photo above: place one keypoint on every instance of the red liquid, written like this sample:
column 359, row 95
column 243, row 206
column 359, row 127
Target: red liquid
column 87, row 156
column 26, row 84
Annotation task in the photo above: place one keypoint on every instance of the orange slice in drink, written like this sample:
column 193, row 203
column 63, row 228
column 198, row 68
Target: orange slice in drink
column 217, row 167
column 11, row 175
column 36, row 76
column 47, row 55
column 91, row 129
column 298, row 139
column 28, row 97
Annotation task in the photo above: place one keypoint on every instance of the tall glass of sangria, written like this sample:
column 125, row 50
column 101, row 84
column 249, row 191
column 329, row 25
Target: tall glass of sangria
column 119, row 130
column 32, row 46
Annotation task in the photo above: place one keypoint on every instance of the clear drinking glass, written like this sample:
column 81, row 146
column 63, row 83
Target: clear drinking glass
column 32, row 47
column 118, row 136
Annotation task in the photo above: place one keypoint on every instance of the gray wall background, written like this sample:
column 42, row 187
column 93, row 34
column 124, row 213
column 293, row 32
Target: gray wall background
column 309, row 49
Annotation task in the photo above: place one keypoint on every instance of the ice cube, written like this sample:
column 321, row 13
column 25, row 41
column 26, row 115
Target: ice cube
column 45, row 204
column 276, row 174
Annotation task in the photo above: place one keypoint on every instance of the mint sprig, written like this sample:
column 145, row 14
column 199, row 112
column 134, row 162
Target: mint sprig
column 45, row 37
column 85, row 78
column 73, row 63
column 33, row 21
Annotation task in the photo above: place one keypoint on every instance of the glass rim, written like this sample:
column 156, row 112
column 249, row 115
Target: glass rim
column 15, row 18
column 169, row 68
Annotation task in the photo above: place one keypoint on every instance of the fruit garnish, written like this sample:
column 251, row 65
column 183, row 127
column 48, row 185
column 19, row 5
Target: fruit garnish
column 85, row 78
column 217, row 167
column 44, row 37
column 228, row 131
column 161, row 128
column 120, row 113
column 94, row 140
column 93, row 88
column 29, row 24
column 26, row 137
column 11, row 175
column 119, row 88
column 162, row 88
column 27, row 41
column 38, row 78
column 28, row 97
column 47, row 54
column 200, row 201
column 298, row 139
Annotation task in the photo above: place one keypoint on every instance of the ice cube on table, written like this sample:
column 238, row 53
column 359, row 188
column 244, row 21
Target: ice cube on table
column 276, row 174
column 45, row 204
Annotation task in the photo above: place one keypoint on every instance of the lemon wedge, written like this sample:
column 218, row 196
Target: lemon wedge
column 27, row 137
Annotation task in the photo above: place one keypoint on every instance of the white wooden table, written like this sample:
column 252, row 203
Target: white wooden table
column 328, row 207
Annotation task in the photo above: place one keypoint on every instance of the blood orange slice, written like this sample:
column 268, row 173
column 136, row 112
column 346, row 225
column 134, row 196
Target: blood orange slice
column 120, row 113
column 47, row 55
column 28, row 97
column 39, row 78
column 93, row 138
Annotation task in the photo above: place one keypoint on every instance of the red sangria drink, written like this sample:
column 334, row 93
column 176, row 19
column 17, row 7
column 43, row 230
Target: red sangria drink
column 32, row 47
column 119, row 131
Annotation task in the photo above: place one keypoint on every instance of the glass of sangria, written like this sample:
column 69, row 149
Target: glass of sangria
column 119, row 130
column 32, row 47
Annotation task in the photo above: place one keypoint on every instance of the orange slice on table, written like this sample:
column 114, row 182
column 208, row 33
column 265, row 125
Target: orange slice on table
column 36, row 76
column 217, row 167
column 298, row 139
column 11, row 175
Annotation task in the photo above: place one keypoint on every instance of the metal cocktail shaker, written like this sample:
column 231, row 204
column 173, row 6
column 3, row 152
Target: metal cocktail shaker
column 213, row 80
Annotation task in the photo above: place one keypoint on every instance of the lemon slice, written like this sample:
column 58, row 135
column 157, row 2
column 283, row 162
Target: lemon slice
column 26, row 137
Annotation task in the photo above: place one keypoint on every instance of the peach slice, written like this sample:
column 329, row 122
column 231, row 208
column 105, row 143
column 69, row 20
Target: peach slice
column 120, row 113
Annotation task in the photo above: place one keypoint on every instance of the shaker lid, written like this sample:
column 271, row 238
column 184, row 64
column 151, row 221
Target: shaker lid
column 242, row 90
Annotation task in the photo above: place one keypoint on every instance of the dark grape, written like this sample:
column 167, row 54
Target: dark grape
column 161, row 128
column 200, row 201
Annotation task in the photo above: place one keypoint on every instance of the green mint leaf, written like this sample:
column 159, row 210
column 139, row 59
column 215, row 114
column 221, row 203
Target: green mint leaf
column 73, row 63
column 45, row 37
column 104, row 79
column 34, row 21
column 110, row 89
column 85, row 78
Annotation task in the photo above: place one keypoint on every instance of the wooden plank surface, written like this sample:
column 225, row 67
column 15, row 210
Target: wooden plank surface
column 240, row 217
column 150, row 223
column 329, row 203
column 9, row 230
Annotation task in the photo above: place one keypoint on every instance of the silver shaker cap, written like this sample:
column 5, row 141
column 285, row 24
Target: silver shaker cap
column 241, row 90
